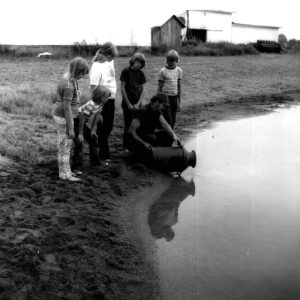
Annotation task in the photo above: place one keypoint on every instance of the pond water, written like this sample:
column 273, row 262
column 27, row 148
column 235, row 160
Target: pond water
column 230, row 228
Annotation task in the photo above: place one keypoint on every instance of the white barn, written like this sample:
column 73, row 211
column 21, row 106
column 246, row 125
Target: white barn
column 208, row 25
column 247, row 33
column 218, row 26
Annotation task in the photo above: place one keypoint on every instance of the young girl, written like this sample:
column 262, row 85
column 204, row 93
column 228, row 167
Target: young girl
column 86, row 126
column 132, row 81
column 169, row 82
column 64, row 111
column 103, row 73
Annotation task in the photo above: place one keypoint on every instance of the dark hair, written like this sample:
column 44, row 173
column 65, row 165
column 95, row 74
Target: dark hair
column 160, row 97
column 106, row 49
column 137, row 56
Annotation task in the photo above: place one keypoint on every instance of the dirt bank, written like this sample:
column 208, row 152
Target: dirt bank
column 62, row 240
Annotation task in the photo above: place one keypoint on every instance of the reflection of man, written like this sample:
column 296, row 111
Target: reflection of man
column 161, row 219
column 164, row 212
column 143, row 131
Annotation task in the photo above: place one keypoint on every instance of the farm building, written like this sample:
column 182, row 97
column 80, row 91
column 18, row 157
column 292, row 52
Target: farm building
column 170, row 33
column 247, row 33
column 209, row 26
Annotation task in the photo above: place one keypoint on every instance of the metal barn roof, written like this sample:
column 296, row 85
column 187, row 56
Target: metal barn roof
column 213, row 11
column 255, row 26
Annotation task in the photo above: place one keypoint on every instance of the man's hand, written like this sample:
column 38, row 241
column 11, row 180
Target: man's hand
column 177, row 140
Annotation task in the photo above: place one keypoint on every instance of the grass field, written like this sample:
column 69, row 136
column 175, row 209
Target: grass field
column 28, row 86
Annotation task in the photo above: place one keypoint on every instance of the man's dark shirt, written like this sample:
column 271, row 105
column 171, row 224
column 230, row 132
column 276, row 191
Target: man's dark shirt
column 148, row 118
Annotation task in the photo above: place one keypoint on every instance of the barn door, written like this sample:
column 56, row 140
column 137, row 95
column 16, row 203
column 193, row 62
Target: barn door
column 198, row 34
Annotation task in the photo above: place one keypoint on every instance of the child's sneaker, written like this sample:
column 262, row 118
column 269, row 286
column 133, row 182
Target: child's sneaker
column 73, row 179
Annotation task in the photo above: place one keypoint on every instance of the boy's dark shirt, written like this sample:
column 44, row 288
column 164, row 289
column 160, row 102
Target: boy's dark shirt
column 149, row 119
column 134, row 79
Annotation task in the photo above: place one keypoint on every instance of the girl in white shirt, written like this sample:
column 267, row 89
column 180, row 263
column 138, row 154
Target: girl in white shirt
column 103, row 73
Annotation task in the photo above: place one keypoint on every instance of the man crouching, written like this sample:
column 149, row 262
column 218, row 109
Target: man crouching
column 149, row 128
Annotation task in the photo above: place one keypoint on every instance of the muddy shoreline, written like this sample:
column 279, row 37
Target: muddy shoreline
column 86, row 241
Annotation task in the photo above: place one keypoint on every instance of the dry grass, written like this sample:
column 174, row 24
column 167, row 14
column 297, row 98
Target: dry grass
column 28, row 85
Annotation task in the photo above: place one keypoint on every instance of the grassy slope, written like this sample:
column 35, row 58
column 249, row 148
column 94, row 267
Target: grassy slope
column 28, row 85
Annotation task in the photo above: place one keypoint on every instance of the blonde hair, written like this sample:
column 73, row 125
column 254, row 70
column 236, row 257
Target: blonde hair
column 106, row 49
column 77, row 66
column 172, row 56
column 100, row 92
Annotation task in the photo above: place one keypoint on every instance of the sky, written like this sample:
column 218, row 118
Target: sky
column 35, row 22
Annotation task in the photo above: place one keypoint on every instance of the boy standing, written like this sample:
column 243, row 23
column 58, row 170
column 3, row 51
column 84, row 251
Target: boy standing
column 169, row 82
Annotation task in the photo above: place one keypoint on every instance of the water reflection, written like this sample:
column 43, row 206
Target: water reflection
column 164, row 212
column 238, row 237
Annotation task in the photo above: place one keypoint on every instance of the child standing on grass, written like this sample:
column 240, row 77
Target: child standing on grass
column 169, row 82
column 132, row 81
column 103, row 73
column 64, row 111
column 86, row 126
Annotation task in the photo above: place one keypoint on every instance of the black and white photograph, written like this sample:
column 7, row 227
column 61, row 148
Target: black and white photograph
column 149, row 150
